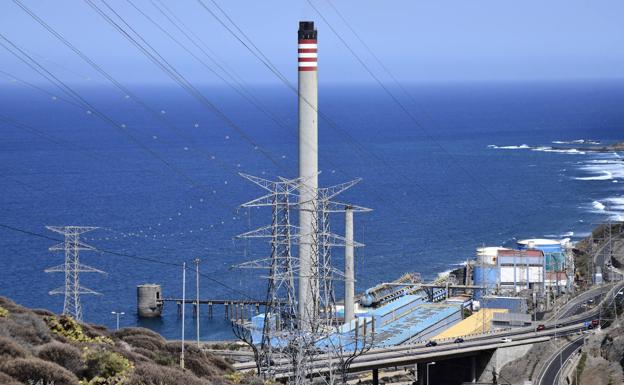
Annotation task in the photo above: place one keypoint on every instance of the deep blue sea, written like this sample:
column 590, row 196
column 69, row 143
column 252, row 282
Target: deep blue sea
column 478, row 169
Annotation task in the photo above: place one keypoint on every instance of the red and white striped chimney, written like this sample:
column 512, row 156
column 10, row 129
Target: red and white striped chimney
column 308, row 169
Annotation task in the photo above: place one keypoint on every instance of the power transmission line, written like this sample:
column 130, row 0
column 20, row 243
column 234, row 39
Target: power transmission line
column 153, row 55
column 91, row 109
column 256, row 52
column 399, row 104
column 125, row 255
column 127, row 92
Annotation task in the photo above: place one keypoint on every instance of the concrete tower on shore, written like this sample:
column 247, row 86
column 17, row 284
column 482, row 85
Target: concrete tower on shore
column 308, row 169
column 349, row 298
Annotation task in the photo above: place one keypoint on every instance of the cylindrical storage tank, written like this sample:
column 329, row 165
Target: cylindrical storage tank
column 149, row 300
column 546, row 245
column 487, row 255
column 484, row 275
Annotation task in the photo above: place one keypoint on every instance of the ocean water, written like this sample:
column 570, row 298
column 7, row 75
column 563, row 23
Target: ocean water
column 481, row 167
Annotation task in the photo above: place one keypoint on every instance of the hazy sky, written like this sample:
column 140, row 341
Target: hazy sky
column 417, row 40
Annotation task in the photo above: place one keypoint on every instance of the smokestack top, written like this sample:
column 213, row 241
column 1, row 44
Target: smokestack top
column 307, row 47
column 306, row 30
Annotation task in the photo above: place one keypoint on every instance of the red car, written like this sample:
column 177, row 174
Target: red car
column 595, row 322
column 541, row 327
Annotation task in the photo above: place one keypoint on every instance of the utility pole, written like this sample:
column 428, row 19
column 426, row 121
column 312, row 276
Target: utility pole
column 183, row 306
column 196, row 261
column 72, row 245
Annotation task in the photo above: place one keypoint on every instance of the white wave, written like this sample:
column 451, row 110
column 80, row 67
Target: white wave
column 565, row 151
column 616, row 203
column 520, row 147
column 558, row 150
column 606, row 175
column 605, row 167
column 577, row 141
column 598, row 206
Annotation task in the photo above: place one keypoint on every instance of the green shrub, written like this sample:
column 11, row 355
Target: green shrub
column 9, row 349
column 61, row 354
column 104, row 364
column 3, row 312
column 244, row 378
column 24, row 369
column 69, row 328
column 150, row 374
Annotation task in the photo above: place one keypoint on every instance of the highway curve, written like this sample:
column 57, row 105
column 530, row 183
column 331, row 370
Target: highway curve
column 553, row 368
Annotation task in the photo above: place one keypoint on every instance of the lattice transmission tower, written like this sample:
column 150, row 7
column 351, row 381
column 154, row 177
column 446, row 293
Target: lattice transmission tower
column 72, row 245
column 283, row 335
column 280, row 317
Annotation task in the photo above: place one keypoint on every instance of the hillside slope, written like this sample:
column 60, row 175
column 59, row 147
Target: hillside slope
column 37, row 346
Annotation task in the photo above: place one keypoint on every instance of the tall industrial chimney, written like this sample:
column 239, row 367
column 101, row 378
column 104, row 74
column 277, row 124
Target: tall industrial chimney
column 308, row 169
column 349, row 298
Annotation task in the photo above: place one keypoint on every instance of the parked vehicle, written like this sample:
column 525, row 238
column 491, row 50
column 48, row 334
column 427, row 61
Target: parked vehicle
column 431, row 344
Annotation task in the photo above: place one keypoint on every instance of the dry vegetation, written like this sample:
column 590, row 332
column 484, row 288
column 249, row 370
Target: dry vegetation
column 37, row 346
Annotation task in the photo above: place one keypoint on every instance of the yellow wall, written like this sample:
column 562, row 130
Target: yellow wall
column 471, row 325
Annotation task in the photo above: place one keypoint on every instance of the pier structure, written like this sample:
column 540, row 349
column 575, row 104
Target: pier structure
column 150, row 303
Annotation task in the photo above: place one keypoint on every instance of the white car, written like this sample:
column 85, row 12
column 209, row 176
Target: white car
column 506, row 339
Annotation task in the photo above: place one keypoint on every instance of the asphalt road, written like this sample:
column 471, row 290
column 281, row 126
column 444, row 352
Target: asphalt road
column 553, row 368
column 575, row 305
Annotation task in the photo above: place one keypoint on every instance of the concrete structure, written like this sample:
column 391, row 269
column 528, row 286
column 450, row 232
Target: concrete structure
column 487, row 255
column 308, row 168
column 349, row 267
column 554, row 252
column 521, row 269
column 149, row 300
column 513, row 304
column 509, row 320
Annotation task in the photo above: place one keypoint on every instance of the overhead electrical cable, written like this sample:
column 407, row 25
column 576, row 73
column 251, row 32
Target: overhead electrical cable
column 257, row 52
column 396, row 100
column 124, row 255
column 241, row 89
column 92, row 109
column 126, row 91
column 153, row 55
